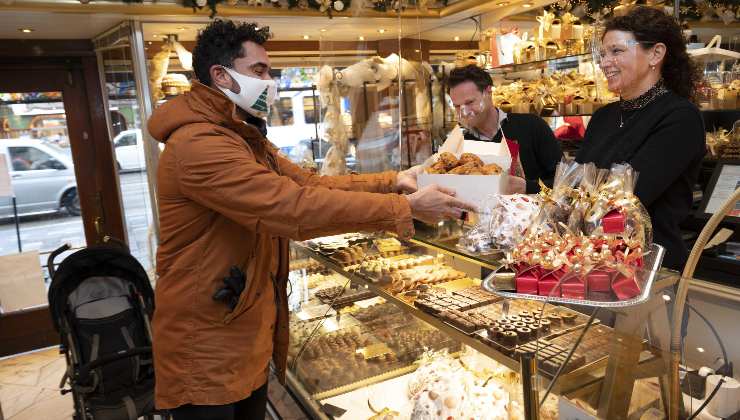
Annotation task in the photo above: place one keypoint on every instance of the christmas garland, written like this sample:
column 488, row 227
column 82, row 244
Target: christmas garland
column 324, row 6
column 589, row 10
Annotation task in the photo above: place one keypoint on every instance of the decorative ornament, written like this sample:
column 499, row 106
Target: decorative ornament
column 339, row 5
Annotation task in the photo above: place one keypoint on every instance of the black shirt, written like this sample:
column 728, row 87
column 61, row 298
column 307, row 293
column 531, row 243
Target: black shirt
column 665, row 143
column 539, row 150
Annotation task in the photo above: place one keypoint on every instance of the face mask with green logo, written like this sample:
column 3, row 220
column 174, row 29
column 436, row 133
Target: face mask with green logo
column 255, row 95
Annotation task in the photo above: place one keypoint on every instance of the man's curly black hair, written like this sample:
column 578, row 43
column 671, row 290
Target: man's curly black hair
column 469, row 73
column 221, row 43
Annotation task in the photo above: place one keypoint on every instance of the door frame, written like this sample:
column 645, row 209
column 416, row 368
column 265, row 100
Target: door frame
column 92, row 152
column 69, row 66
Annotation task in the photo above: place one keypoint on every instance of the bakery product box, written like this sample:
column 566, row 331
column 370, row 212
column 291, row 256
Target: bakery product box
column 472, row 180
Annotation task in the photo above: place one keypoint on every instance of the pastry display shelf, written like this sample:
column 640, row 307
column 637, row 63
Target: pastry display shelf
column 573, row 380
column 538, row 64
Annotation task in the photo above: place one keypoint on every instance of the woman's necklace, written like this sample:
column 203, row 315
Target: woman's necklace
column 640, row 102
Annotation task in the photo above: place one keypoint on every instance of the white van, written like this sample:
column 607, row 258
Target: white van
column 42, row 176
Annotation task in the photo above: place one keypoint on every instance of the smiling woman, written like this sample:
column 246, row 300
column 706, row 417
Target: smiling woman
column 655, row 126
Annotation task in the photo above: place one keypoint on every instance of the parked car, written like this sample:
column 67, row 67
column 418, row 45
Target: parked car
column 129, row 150
column 42, row 176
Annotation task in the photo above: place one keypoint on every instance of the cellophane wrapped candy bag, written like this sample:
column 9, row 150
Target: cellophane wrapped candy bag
column 502, row 222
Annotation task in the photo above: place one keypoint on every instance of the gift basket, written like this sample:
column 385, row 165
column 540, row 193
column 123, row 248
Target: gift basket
column 590, row 244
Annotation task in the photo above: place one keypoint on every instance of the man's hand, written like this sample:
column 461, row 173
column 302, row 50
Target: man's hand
column 516, row 185
column 406, row 180
column 433, row 204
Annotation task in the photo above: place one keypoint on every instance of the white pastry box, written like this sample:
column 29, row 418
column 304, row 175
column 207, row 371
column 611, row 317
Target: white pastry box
column 473, row 188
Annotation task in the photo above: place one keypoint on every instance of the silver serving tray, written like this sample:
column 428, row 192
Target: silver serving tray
column 652, row 263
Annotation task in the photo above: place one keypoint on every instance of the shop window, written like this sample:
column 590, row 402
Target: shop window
column 309, row 110
column 281, row 113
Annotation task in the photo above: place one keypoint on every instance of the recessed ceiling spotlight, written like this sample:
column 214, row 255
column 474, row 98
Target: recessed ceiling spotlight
column 457, row 38
column 155, row 35
column 181, row 28
column 306, row 37
column 700, row 349
column 323, row 30
column 361, row 38
column 381, row 30
column 527, row 5
column 25, row 30
column 149, row 42
column 502, row 3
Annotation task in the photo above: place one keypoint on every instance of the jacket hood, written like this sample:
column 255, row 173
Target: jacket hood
column 201, row 105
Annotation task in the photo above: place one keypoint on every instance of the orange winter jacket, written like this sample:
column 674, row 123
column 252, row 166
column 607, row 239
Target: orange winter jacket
column 227, row 198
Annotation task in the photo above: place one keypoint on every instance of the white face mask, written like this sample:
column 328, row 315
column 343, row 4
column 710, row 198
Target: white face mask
column 255, row 95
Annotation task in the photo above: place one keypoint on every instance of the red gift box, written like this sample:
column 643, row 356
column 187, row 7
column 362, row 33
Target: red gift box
column 613, row 222
column 599, row 280
column 546, row 288
column 625, row 287
column 574, row 288
column 526, row 282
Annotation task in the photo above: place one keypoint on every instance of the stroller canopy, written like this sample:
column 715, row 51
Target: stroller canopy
column 97, row 261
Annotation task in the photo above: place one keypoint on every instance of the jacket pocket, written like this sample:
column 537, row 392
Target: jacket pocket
column 248, row 296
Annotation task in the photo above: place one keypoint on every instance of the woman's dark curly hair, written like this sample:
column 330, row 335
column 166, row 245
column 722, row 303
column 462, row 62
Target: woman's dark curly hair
column 221, row 42
column 651, row 26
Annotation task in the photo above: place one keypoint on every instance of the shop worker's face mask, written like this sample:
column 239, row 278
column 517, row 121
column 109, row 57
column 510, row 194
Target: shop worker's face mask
column 255, row 95
column 468, row 114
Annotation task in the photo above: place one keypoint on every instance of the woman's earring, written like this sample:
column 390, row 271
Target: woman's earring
column 652, row 68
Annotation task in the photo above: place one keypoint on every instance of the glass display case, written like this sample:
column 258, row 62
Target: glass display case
column 371, row 314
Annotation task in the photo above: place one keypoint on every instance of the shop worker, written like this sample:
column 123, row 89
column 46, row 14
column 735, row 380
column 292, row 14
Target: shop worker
column 228, row 205
column 532, row 144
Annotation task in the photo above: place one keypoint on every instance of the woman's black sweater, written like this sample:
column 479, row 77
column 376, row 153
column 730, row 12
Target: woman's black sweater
column 665, row 142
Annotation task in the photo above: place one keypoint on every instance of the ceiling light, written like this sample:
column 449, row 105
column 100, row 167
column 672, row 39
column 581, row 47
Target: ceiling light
column 502, row 3
column 381, row 30
column 155, row 35
column 527, row 5
column 306, row 37
column 361, row 38
column 149, row 42
column 417, row 50
column 457, row 38
column 25, row 30
column 700, row 349
column 181, row 28
column 323, row 30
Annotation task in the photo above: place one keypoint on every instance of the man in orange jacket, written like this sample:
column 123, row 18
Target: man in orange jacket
column 229, row 203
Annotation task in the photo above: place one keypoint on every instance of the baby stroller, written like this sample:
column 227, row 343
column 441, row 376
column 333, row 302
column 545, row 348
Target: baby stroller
column 101, row 303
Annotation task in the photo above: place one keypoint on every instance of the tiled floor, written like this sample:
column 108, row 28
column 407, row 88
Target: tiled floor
column 29, row 387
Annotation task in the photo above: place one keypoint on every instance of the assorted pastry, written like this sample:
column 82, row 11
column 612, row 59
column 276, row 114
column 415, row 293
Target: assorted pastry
column 339, row 296
column 467, row 164
column 388, row 247
column 309, row 265
column 380, row 269
column 415, row 280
